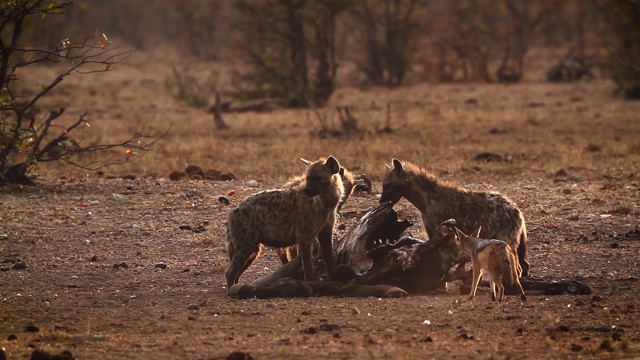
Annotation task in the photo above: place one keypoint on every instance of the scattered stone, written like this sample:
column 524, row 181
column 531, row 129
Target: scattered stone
column 239, row 355
column 596, row 298
column 161, row 265
column 121, row 265
column 19, row 265
column 195, row 172
column 593, row 148
column 93, row 258
column 192, row 194
column 223, row 200
column 43, row 355
column 212, row 174
column 227, row 177
column 192, row 307
column 129, row 177
column 576, row 347
column 185, row 227
column 615, row 245
column 471, row 101
column 488, row 157
column 311, row 331
column 4, row 236
column 251, row 183
column 426, row 339
column 576, row 177
column 573, row 217
column 561, row 172
column 355, row 311
column 342, row 227
column 32, row 329
column 177, row 175
column 566, row 191
column 606, row 345
column 563, row 328
column 12, row 337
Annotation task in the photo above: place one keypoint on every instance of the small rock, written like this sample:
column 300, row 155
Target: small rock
column 4, row 236
column 633, row 183
column 239, row 355
column 121, row 265
column 192, row 194
column 32, row 329
column 12, row 337
column 576, row 177
column 342, row 227
column 227, row 177
column 192, row 307
column 561, row 172
column 93, row 258
column 355, row 311
column 129, row 177
column 576, row 347
column 223, row 200
column 185, row 227
column 596, row 298
column 251, row 183
column 566, row 191
column 573, row 217
column 19, row 265
column 177, row 175
column 615, row 245
column 43, row 355
column 529, row 187
column 161, row 265
column 426, row 339
column 563, row 328
column 593, row 148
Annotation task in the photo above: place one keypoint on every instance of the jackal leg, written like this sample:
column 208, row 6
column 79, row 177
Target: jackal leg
column 477, row 274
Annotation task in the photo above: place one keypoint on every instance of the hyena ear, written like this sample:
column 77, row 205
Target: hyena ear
column 341, row 172
column 476, row 233
column 333, row 164
column 307, row 162
column 397, row 164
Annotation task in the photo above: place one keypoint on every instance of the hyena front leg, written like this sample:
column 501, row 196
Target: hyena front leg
column 325, row 238
column 240, row 261
column 305, row 251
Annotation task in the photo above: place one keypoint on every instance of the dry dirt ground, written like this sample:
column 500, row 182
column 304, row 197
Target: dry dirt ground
column 100, row 266
column 108, row 273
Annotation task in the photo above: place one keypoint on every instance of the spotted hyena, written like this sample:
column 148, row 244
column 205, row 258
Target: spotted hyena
column 349, row 181
column 437, row 201
column 280, row 218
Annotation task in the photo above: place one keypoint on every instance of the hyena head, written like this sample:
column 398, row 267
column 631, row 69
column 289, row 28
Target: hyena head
column 395, row 183
column 319, row 175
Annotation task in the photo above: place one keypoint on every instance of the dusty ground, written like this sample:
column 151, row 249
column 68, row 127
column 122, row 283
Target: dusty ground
column 75, row 238
column 100, row 266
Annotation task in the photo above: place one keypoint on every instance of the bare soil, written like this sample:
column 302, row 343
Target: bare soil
column 107, row 268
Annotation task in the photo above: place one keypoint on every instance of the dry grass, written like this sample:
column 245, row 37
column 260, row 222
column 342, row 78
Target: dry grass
column 544, row 127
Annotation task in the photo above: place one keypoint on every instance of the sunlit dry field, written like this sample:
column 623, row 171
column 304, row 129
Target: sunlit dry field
column 573, row 168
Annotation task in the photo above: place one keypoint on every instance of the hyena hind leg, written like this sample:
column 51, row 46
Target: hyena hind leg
column 239, row 263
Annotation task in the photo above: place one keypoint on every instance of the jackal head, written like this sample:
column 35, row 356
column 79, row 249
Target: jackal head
column 319, row 175
column 395, row 183
column 463, row 238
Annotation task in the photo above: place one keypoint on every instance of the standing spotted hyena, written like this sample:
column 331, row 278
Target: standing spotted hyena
column 348, row 180
column 498, row 216
column 280, row 218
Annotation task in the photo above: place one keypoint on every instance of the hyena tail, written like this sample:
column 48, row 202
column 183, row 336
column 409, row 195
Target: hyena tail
column 522, row 252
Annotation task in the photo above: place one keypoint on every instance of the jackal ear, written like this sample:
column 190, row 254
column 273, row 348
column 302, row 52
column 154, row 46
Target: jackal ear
column 307, row 162
column 333, row 164
column 397, row 165
column 460, row 234
column 476, row 233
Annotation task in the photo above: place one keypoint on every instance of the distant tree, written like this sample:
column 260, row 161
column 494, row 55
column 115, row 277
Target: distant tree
column 281, row 40
column 26, row 138
column 388, row 33
column 623, row 17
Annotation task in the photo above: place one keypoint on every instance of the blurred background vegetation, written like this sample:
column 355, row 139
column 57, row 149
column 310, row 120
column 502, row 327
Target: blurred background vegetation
column 293, row 49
